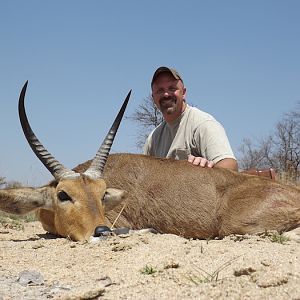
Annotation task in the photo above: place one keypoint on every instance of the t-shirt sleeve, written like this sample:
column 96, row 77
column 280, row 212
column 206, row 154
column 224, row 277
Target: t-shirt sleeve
column 212, row 141
column 147, row 145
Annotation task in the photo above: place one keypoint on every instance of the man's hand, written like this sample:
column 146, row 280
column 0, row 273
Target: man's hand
column 226, row 163
column 200, row 161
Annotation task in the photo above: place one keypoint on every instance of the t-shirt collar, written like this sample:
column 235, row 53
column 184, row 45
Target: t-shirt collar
column 178, row 120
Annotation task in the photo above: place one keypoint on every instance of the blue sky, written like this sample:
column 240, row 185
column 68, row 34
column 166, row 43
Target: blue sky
column 239, row 59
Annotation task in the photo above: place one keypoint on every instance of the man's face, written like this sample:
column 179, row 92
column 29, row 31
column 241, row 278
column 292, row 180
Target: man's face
column 169, row 96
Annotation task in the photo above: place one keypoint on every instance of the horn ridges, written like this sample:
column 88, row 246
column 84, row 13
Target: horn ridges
column 55, row 168
column 97, row 166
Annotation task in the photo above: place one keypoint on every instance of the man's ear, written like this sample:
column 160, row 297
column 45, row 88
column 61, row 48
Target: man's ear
column 113, row 197
column 184, row 93
column 152, row 98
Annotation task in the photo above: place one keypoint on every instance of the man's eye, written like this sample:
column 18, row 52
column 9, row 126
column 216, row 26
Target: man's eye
column 63, row 196
column 172, row 89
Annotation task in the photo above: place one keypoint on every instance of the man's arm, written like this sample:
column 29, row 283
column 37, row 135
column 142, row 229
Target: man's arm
column 211, row 140
column 226, row 163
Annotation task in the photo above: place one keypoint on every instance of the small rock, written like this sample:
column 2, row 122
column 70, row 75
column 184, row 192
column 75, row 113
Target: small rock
column 121, row 247
column 37, row 246
column 266, row 263
column 244, row 271
column 30, row 277
column 84, row 295
column 56, row 288
column 271, row 281
column 171, row 265
column 105, row 281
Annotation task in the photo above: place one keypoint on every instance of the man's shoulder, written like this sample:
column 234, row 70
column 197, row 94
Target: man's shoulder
column 198, row 115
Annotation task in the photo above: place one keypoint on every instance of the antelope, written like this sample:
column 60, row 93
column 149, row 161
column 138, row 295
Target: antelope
column 167, row 195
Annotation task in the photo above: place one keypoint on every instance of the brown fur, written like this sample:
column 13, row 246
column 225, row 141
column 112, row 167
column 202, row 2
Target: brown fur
column 167, row 195
column 177, row 197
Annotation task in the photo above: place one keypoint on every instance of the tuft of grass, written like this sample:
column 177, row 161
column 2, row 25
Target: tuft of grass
column 11, row 223
column 274, row 237
column 148, row 270
column 26, row 218
column 31, row 217
column 208, row 277
column 15, row 221
column 278, row 238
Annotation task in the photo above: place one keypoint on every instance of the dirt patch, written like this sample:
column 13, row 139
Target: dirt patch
column 34, row 265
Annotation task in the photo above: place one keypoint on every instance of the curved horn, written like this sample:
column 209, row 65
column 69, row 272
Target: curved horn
column 97, row 166
column 55, row 168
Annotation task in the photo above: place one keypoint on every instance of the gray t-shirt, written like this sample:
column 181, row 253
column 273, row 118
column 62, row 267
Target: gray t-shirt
column 194, row 132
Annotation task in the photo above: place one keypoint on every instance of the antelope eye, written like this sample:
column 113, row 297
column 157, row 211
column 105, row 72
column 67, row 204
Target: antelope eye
column 63, row 196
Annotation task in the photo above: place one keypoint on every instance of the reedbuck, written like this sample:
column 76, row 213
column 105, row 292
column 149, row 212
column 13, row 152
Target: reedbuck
column 167, row 195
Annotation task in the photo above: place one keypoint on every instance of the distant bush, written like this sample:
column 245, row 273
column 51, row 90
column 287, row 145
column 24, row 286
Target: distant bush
column 9, row 184
column 279, row 150
column 2, row 181
column 13, row 184
column 10, row 220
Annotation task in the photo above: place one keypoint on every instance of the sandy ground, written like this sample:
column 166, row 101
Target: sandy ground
column 34, row 265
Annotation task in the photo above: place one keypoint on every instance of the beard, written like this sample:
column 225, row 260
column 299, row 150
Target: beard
column 168, row 105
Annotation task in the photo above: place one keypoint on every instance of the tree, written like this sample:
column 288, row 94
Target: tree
column 280, row 150
column 148, row 116
column 13, row 184
column 9, row 184
column 2, row 181
column 253, row 156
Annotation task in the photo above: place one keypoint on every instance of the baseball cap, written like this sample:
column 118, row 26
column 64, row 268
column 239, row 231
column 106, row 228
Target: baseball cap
column 163, row 69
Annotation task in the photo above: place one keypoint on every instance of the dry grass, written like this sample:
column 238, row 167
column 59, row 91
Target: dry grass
column 288, row 178
column 15, row 221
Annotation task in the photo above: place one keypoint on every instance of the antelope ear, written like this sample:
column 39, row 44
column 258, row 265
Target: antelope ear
column 113, row 197
column 21, row 201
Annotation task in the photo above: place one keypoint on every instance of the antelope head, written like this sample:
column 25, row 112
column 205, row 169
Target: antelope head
column 74, row 204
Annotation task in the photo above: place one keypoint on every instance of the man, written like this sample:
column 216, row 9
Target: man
column 186, row 132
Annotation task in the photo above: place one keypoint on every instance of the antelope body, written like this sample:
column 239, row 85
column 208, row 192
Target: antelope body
column 177, row 197
column 167, row 195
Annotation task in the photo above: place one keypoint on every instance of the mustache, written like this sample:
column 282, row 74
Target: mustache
column 163, row 99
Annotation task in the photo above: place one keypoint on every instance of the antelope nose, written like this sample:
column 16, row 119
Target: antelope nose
column 101, row 231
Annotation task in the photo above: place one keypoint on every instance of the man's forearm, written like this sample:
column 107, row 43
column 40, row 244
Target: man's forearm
column 227, row 163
